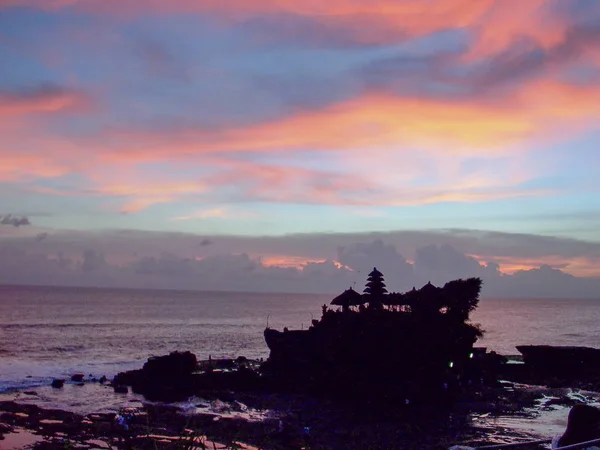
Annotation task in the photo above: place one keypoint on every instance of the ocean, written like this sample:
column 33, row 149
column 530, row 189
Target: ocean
column 50, row 332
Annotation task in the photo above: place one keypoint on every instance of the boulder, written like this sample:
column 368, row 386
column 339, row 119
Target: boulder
column 174, row 377
column 566, row 361
column 77, row 377
column 120, row 389
column 57, row 383
column 558, row 366
column 174, row 364
column 165, row 378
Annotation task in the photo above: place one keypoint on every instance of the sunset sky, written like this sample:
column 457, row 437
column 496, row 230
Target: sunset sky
column 249, row 118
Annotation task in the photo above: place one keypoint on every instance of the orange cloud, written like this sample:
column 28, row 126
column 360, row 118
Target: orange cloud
column 135, row 195
column 142, row 195
column 385, row 124
column 17, row 167
column 450, row 126
column 494, row 23
column 216, row 213
column 286, row 261
column 576, row 266
column 505, row 22
column 45, row 100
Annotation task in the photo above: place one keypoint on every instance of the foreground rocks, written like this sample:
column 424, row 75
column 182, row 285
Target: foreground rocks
column 295, row 422
column 556, row 367
column 178, row 376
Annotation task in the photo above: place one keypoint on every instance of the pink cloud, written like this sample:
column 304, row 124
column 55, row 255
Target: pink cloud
column 216, row 213
column 46, row 99
column 579, row 266
column 493, row 24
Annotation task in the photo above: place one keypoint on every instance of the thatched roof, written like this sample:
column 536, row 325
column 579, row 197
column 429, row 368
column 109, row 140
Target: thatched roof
column 348, row 298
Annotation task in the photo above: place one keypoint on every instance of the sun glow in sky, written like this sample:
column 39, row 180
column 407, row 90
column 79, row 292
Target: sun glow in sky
column 276, row 117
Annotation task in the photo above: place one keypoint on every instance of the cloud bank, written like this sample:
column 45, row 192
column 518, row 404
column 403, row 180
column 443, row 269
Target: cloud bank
column 326, row 263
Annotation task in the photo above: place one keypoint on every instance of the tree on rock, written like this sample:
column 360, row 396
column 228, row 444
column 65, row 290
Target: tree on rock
column 375, row 289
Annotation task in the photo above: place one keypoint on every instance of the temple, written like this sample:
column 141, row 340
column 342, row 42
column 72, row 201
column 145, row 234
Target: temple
column 413, row 345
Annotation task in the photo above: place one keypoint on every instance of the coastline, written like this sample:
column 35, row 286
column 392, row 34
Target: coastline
column 509, row 413
column 403, row 374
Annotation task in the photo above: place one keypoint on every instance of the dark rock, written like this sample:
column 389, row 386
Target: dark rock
column 561, row 360
column 120, row 389
column 174, row 364
column 4, row 429
column 158, row 383
column 103, row 379
column 78, row 377
column 556, row 366
column 165, row 378
column 30, row 393
column 57, row 383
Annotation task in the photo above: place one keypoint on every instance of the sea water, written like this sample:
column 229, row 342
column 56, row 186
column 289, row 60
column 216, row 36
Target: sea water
column 48, row 332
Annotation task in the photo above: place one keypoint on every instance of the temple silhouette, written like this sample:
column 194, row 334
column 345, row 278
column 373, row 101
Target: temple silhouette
column 410, row 346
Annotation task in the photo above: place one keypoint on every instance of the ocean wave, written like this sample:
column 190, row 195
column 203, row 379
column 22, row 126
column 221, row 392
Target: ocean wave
column 23, row 375
column 66, row 348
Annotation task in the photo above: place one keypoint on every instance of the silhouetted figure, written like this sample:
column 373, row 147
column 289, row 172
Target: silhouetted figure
column 583, row 425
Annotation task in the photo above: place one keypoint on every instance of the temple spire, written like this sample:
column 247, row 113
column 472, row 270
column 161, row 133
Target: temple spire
column 375, row 289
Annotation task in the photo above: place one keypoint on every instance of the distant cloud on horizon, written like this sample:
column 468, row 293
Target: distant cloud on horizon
column 331, row 262
column 14, row 221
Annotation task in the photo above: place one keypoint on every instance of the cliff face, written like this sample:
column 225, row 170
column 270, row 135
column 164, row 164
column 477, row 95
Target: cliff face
column 415, row 346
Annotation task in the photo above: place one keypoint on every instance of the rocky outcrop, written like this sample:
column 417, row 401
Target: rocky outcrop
column 177, row 376
column 401, row 348
column 164, row 378
column 408, row 347
column 561, row 360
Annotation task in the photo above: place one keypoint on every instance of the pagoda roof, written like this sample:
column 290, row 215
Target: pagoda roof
column 375, row 272
column 348, row 298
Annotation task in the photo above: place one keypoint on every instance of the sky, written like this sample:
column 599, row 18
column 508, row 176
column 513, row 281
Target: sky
column 284, row 145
